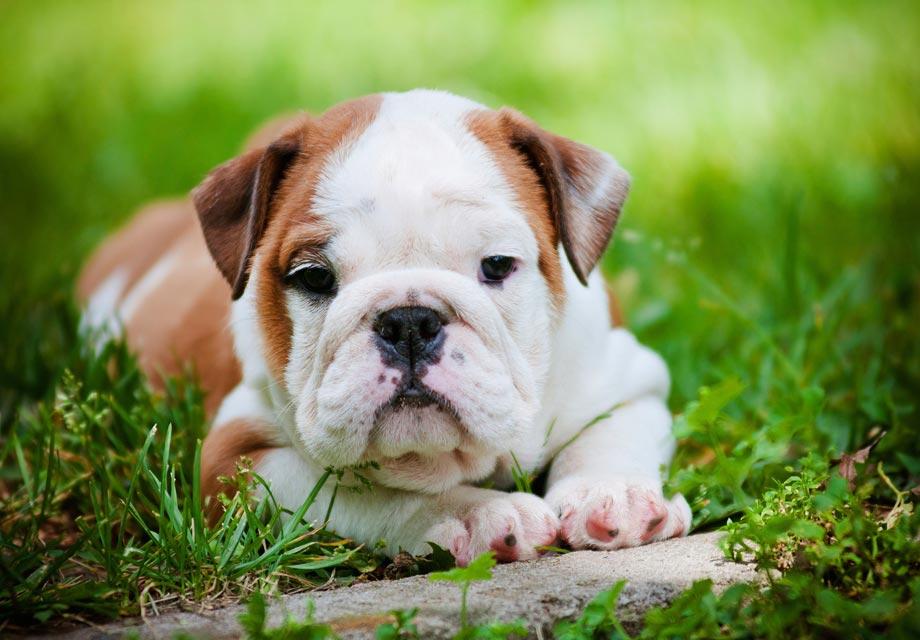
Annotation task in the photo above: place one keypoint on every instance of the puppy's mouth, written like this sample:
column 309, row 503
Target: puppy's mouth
column 414, row 394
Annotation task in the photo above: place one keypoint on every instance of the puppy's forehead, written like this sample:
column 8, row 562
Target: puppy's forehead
column 417, row 155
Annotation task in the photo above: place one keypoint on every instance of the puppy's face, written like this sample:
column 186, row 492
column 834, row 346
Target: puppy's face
column 405, row 277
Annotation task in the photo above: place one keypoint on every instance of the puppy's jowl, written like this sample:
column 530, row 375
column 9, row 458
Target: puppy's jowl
column 408, row 279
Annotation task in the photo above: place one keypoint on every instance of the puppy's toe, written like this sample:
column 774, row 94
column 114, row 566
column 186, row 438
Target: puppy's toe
column 678, row 521
column 602, row 523
column 538, row 521
column 451, row 534
column 657, row 515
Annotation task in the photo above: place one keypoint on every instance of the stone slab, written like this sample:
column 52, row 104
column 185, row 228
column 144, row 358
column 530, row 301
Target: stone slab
column 539, row 592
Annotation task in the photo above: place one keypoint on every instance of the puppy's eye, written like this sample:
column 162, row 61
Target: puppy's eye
column 313, row 278
column 496, row 268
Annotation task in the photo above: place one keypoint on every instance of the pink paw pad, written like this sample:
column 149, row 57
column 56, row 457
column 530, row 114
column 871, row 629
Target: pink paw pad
column 602, row 523
column 506, row 548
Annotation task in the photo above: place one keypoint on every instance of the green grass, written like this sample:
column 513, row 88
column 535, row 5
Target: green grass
column 770, row 250
column 829, row 569
column 105, row 517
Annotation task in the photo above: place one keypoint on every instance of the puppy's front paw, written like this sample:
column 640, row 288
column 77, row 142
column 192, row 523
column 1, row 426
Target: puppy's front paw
column 509, row 524
column 617, row 512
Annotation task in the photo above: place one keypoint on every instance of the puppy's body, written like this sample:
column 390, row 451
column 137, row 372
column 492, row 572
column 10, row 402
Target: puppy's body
column 156, row 280
column 427, row 354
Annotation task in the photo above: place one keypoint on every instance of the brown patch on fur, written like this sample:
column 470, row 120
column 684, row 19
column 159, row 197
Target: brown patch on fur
column 137, row 246
column 222, row 449
column 184, row 319
column 292, row 226
column 489, row 127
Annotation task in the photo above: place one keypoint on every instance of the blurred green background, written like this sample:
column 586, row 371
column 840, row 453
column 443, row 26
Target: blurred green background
column 772, row 230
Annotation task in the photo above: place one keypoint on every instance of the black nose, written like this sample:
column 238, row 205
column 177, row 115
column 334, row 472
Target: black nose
column 409, row 336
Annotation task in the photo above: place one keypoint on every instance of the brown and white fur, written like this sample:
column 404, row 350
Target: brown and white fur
column 402, row 196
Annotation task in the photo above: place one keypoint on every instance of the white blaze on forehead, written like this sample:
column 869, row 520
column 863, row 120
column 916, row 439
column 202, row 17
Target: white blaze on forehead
column 418, row 157
column 418, row 138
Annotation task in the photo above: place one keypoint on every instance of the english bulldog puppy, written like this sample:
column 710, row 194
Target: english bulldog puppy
column 413, row 285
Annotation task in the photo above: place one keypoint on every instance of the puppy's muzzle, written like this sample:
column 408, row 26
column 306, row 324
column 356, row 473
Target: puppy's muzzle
column 410, row 338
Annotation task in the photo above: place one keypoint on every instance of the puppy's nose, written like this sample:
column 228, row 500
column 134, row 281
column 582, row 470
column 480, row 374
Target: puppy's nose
column 409, row 336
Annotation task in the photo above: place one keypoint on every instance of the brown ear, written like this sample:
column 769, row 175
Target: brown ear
column 233, row 205
column 585, row 188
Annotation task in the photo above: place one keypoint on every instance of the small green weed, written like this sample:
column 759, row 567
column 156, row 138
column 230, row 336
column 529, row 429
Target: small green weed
column 478, row 569
column 402, row 627
column 523, row 480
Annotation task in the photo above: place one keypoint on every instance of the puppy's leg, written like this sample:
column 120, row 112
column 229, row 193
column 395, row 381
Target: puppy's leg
column 606, row 483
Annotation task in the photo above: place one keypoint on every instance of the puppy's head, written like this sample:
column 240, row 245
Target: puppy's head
column 396, row 264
